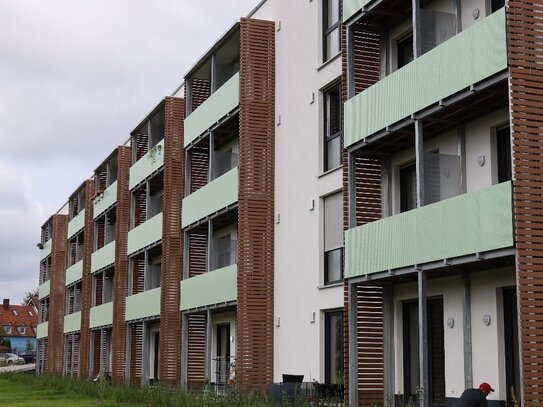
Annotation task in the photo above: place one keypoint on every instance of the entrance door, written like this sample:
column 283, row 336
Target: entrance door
column 510, row 331
column 223, row 353
column 436, row 351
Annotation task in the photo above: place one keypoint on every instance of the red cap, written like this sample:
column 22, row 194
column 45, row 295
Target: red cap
column 485, row 387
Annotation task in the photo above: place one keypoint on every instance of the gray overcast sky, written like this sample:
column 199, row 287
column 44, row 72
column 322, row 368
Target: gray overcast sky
column 76, row 76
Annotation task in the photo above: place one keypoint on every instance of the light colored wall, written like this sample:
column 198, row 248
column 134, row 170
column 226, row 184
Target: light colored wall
column 487, row 341
column 298, row 182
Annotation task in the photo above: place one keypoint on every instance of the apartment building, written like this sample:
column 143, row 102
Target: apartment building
column 355, row 202
column 441, row 247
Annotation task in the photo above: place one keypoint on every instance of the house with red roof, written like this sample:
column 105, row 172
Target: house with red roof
column 19, row 323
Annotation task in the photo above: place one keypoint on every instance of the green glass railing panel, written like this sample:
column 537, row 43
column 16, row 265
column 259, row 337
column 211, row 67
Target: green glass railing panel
column 76, row 224
column 105, row 200
column 143, row 305
column 351, row 7
column 466, row 224
column 145, row 234
column 45, row 289
column 74, row 273
column 146, row 165
column 216, row 287
column 101, row 315
column 216, row 195
column 46, row 251
column 42, row 330
column 222, row 101
column 72, row 322
column 465, row 59
column 103, row 257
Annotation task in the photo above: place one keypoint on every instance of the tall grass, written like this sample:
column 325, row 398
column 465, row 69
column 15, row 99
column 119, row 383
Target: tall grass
column 147, row 396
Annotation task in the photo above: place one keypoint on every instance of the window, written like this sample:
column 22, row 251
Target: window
column 333, row 238
column 30, row 313
column 405, row 51
column 497, row 4
column 408, row 188
column 331, row 37
column 7, row 328
column 503, row 145
column 21, row 329
column 333, row 351
column 333, row 125
column 14, row 312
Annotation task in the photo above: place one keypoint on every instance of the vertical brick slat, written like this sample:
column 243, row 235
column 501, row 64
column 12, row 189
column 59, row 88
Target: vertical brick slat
column 55, row 341
column 254, row 352
column 172, row 244
column 86, row 291
column 121, row 267
column 524, row 27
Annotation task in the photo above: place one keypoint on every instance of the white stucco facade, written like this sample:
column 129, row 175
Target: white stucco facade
column 300, row 186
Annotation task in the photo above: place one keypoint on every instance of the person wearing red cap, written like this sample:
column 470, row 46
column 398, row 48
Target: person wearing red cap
column 476, row 397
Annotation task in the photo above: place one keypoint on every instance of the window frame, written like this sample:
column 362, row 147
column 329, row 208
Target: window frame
column 328, row 136
column 326, row 30
column 328, row 345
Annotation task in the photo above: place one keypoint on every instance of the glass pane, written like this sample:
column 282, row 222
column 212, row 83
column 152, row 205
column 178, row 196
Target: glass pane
column 224, row 252
column 332, row 12
column 332, row 44
column 333, row 153
column 333, row 266
column 334, row 113
column 334, row 348
column 437, row 26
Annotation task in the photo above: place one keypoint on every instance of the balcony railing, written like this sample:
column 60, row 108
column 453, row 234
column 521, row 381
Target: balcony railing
column 464, row 60
column 471, row 223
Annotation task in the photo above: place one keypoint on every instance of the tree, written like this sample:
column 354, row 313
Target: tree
column 28, row 296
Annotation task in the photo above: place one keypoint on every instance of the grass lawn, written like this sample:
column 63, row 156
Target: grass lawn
column 14, row 394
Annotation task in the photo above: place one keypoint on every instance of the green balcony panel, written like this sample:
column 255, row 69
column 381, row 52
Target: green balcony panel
column 42, row 330
column 105, row 200
column 471, row 223
column 76, row 224
column 72, row 322
column 46, row 251
column 216, row 195
column 74, row 273
column 146, row 165
column 351, row 7
column 101, row 315
column 220, row 103
column 465, row 59
column 103, row 257
column 45, row 289
column 143, row 305
column 216, row 287
column 145, row 234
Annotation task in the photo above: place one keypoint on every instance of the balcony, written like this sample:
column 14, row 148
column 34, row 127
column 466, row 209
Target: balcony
column 467, row 224
column 46, row 251
column 101, row 315
column 72, row 322
column 74, row 273
column 152, row 161
column 351, row 7
column 216, row 287
column 217, row 195
column 145, row 234
column 42, row 330
column 143, row 305
column 105, row 200
column 218, row 105
column 462, row 61
column 103, row 257
column 76, row 224
column 45, row 289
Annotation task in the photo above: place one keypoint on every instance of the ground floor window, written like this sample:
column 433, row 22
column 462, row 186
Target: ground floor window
column 333, row 341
